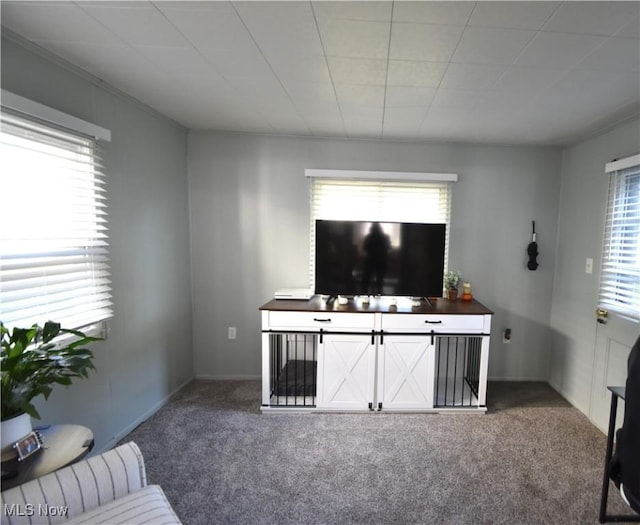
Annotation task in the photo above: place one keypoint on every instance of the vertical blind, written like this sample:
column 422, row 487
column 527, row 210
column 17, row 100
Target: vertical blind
column 620, row 277
column 380, row 201
column 53, row 226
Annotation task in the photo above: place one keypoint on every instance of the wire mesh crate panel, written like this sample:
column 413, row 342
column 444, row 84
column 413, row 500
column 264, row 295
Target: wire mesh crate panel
column 457, row 371
column 293, row 369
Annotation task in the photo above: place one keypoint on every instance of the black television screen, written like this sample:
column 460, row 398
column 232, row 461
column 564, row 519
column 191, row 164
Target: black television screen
column 379, row 258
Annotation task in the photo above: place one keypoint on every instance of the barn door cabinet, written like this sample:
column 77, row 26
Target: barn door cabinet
column 429, row 358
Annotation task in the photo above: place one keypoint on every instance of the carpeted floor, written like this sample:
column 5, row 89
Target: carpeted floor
column 531, row 459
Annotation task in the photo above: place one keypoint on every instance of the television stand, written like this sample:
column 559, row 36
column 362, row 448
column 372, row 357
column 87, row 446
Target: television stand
column 432, row 356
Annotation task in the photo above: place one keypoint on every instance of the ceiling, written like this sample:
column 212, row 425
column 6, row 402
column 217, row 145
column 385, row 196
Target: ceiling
column 500, row 72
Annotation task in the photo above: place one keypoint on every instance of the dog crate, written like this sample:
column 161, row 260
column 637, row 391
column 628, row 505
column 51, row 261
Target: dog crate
column 293, row 359
column 457, row 371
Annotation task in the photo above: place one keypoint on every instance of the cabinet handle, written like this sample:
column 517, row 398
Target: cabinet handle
column 371, row 406
column 328, row 320
column 433, row 322
column 379, row 406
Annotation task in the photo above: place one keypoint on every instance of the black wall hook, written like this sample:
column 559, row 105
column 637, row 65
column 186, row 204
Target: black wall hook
column 532, row 249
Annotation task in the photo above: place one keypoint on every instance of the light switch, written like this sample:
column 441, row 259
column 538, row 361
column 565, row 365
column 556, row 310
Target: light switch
column 588, row 267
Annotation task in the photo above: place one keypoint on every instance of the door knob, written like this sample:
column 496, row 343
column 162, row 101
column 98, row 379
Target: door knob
column 602, row 315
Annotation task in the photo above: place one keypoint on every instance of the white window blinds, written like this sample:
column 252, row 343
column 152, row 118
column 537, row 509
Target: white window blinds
column 53, row 226
column 620, row 276
column 376, row 199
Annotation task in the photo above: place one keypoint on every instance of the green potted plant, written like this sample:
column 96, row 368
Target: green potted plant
column 31, row 362
column 452, row 281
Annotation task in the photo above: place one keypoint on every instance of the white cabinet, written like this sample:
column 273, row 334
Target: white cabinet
column 430, row 358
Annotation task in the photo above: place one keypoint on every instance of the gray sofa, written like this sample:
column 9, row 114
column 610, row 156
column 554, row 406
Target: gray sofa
column 108, row 488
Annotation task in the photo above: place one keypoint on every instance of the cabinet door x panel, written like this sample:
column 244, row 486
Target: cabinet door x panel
column 405, row 369
column 346, row 369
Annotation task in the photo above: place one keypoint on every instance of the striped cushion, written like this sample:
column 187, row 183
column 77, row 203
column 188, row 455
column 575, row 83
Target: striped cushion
column 148, row 505
column 80, row 487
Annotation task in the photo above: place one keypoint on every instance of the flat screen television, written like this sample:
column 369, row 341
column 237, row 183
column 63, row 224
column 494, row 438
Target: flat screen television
column 379, row 258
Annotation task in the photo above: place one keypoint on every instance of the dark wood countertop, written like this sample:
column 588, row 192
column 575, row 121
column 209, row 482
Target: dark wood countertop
column 440, row 305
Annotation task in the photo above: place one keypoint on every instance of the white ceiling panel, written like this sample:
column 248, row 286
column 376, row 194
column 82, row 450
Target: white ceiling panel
column 354, row 38
column 423, row 41
column 497, row 103
column 457, row 98
column 352, row 95
column 409, row 73
column 513, row 15
column 177, row 61
column 363, row 71
column 396, row 117
column 593, row 18
column 312, row 70
column 326, row 113
column 359, row 112
column 275, row 28
column 369, row 11
column 615, row 54
column 142, row 25
column 504, row 71
column 408, row 97
column 62, row 22
column 528, row 81
column 582, row 85
column 245, row 62
column 209, row 28
column 444, row 123
column 446, row 13
column 558, row 50
column 631, row 29
column 308, row 94
column 480, row 45
column 465, row 76
column 363, row 128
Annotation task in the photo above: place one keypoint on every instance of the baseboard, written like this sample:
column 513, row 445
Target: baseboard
column 229, row 377
column 519, row 379
column 137, row 422
column 569, row 398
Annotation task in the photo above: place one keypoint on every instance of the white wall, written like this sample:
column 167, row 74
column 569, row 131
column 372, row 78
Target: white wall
column 250, row 230
column 583, row 201
column 149, row 351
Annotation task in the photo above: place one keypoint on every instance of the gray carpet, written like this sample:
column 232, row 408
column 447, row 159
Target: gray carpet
column 531, row 459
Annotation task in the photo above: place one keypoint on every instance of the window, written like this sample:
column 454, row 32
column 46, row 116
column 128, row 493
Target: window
column 379, row 196
column 620, row 277
column 53, row 227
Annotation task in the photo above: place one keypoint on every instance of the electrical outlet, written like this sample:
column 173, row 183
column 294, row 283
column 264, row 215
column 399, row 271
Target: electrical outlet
column 232, row 332
column 588, row 267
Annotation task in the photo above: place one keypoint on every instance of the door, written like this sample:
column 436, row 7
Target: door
column 405, row 372
column 346, row 372
column 618, row 314
column 615, row 335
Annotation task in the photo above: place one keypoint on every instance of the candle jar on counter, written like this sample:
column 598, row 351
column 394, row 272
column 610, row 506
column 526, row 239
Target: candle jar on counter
column 466, row 292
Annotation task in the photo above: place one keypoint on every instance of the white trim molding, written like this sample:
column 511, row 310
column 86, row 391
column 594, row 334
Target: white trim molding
column 58, row 118
column 381, row 175
column 622, row 164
